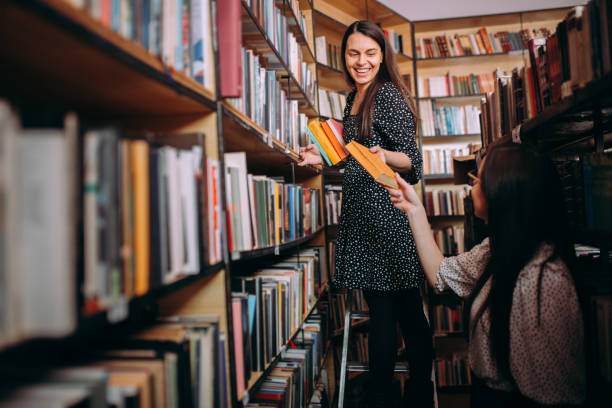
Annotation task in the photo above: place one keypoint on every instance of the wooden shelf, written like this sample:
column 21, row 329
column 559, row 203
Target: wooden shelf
column 265, row 154
column 540, row 130
column 255, row 38
column 59, row 55
column 356, row 325
column 89, row 327
column 241, row 256
column 424, row 63
column 454, row 98
column 432, row 140
column 438, row 176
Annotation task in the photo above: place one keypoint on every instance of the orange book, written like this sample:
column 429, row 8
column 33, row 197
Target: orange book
column 377, row 168
column 342, row 153
column 319, row 134
column 139, row 158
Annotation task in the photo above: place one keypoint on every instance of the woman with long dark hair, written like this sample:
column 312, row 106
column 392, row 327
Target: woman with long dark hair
column 526, row 331
column 375, row 251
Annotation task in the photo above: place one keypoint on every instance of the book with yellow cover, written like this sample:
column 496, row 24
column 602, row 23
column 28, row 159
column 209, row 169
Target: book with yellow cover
column 373, row 164
column 342, row 153
column 319, row 134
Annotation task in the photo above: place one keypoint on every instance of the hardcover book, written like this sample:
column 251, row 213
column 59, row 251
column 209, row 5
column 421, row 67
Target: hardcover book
column 377, row 168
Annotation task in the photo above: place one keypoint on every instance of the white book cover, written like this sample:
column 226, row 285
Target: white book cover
column 238, row 160
column 175, row 216
column 189, row 210
column 48, row 170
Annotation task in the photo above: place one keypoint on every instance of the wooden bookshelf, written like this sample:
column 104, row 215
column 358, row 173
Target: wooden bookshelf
column 67, row 58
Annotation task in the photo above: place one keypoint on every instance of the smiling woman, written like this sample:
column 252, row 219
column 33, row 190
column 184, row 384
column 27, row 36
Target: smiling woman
column 376, row 251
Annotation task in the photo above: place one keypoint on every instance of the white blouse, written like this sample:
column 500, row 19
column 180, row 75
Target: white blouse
column 547, row 357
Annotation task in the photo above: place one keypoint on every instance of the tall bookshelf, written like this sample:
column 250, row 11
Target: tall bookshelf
column 570, row 124
column 78, row 61
column 458, row 61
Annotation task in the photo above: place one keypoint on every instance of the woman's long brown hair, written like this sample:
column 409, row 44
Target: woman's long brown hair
column 388, row 72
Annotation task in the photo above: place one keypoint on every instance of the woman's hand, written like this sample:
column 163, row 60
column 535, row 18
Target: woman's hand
column 406, row 198
column 380, row 152
column 310, row 155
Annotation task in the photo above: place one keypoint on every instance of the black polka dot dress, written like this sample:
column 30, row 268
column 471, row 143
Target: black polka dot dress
column 375, row 248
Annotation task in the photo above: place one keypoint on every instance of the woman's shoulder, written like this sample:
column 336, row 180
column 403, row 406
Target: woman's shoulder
column 388, row 90
column 549, row 265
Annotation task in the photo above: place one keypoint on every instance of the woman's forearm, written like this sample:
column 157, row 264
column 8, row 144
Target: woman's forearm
column 428, row 250
column 398, row 161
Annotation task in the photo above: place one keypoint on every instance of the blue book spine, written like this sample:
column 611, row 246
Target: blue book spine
column 115, row 15
column 316, row 142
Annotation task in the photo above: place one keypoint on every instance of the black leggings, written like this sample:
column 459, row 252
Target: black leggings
column 386, row 309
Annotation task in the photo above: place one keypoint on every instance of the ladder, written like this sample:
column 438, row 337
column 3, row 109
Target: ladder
column 354, row 366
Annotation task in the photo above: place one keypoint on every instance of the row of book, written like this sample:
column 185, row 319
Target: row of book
column 265, row 102
column 268, row 307
column 454, row 371
column 448, row 120
column 447, row 201
column 265, row 211
column 339, row 305
column 291, row 383
column 331, row 104
column 145, row 200
column 450, row 239
column 578, row 52
column 178, row 362
column 446, row 319
column 275, row 25
column 439, row 160
column 586, row 187
column 327, row 135
column 455, row 85
column 396, row 41
column 478, row 43
column 328, row 54
column 333, row 203
column 179, row 32
column 150, row 213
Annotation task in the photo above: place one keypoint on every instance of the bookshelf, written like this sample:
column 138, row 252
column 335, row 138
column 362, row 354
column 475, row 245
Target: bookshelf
column 77, row 62
column 565, row 118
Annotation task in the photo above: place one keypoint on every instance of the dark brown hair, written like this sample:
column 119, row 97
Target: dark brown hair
column 525, row 209
column 388, row 72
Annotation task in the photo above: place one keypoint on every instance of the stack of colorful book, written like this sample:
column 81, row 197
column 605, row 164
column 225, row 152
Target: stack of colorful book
column 327, row 136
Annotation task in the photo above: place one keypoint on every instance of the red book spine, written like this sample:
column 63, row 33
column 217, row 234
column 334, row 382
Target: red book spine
column 229, row 29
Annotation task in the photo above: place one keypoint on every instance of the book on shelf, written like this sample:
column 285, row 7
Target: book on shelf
column 378, row 169
column 229, row 33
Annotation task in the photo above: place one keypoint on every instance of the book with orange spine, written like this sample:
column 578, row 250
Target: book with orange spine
column 378, row 169
column 139, row 160
column 342, row 153
column 319, row 134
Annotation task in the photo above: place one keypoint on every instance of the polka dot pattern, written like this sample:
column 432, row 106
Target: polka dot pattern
column 375, row 249
column 547, row 359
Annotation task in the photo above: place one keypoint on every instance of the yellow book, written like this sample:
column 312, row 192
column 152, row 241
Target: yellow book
column 377, row 168
column 139, row 158
column 319, row 134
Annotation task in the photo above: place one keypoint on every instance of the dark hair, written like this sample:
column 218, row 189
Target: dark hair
column 525, row 209
column 388, row 72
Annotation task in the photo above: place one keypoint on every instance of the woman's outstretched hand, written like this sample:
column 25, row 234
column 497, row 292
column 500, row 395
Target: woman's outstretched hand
column 406, row 198
column 310, row 155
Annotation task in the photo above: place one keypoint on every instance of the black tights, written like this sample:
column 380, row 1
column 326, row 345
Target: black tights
column 386, row 309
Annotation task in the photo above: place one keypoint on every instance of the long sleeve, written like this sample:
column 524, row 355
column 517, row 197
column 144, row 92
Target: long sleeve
column 460, row 273
column 395, row 122
column 547, row 354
